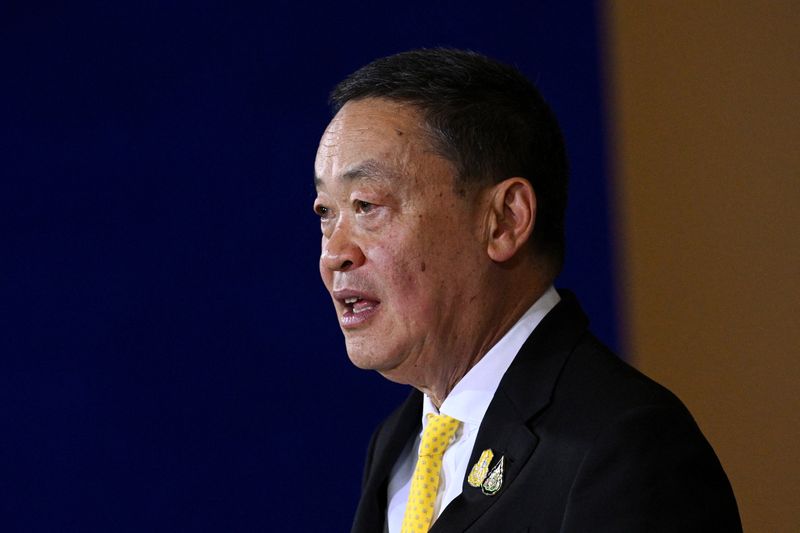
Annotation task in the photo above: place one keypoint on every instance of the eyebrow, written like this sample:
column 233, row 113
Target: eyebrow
column 369, row 169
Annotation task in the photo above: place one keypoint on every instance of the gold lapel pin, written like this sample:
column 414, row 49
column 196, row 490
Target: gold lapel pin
column 480, row 469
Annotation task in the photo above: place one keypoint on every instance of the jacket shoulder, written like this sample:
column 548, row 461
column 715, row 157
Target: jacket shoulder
column 596, row 386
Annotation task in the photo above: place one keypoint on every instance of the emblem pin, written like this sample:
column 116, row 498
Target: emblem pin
column 494, row 480
column 481, row 469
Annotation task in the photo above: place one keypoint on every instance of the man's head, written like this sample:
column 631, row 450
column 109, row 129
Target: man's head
column 484, row 117
column 429, row 203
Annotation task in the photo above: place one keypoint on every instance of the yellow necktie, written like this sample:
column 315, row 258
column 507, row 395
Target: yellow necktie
column 425, row 483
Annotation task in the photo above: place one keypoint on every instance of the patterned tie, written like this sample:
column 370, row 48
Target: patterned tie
column 425, row 483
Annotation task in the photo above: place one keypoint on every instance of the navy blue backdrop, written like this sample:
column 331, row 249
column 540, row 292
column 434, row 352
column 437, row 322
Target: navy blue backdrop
column 169, row 360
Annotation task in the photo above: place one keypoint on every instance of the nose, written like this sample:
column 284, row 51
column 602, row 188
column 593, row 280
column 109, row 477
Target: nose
column 340, row 251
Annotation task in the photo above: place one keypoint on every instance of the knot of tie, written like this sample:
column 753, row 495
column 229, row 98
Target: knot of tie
column 437, row 435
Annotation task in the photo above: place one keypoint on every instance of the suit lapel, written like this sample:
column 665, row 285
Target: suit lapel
column 507, row 437
column 508, row 426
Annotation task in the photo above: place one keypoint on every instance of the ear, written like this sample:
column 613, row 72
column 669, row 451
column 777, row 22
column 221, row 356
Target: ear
column 511, row 217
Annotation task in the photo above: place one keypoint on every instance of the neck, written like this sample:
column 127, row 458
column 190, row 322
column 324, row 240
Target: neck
column 493, row 325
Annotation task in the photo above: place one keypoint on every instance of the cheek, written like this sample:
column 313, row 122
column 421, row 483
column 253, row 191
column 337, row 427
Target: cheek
column 410, row 279
column 395, row 267
column 415, row 266
column 392, row 268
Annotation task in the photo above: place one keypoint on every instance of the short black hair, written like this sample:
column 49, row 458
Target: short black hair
column 485, row 117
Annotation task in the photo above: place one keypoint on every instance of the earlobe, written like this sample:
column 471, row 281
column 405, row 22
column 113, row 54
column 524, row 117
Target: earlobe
column 512, row 215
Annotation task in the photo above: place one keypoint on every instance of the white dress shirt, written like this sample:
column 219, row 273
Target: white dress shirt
column 467, row 402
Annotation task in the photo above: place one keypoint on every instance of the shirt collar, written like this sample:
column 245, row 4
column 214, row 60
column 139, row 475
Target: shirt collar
column 470, row 398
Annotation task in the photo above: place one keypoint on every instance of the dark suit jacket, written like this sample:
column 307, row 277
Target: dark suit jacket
column 590, row 445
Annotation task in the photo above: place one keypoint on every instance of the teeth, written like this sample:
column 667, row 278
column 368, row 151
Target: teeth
column 350, row 300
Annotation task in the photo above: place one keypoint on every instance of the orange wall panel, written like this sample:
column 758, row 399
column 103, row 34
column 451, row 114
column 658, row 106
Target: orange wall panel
column 705, row 107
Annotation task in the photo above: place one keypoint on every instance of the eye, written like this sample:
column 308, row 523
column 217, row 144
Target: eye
column 322, row 211
column 363, row 207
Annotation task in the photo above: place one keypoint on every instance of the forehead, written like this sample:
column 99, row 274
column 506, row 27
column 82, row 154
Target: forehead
column 371, row 138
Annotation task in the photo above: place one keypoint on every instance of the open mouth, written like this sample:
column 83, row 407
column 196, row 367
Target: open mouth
column 359, row 305
column 358, row 309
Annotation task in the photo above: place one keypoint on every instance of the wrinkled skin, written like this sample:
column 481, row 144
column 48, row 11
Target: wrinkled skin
column 398, row 235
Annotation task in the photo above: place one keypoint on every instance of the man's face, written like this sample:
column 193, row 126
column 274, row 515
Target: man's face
column 401, row 250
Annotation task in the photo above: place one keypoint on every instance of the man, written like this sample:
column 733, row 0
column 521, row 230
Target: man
column 441, row 190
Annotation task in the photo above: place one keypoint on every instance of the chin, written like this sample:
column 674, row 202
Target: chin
column 364, row 363
column 361, row 356
column 375, row 357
